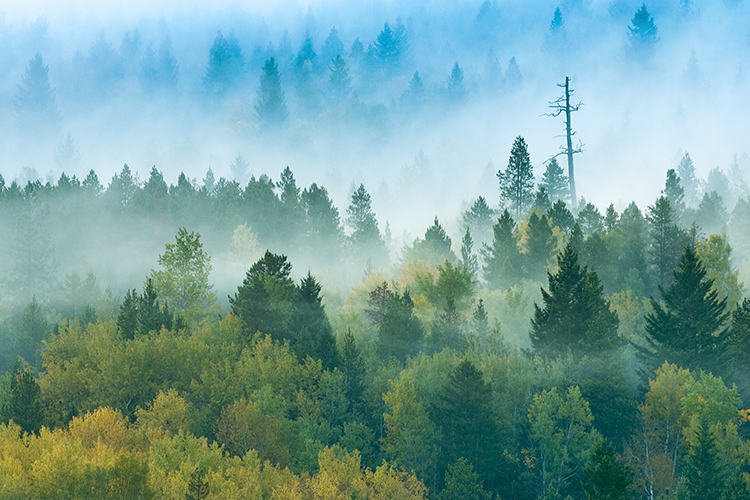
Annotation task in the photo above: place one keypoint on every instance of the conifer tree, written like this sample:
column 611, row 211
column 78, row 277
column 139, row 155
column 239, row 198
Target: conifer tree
column 400, row 333
column 455, row 88
column 667, row 240
column 555, row 181
column 270, row 104
column 608, row 479
column 365, row 238
column 462, row 483
column 561, row 216
column 502, row 258
column 353, row 367
column 611, row 218
column 556, row 39
column 688, row 181
column 309, row 314
column 687, row 327
column 35, row 103
column 468, row 428
column 239, row 169
column 675, row 194
column 642, row 33
column 517, row 181
column 332, row 47
column 339, row 82
column 468, row 259
column 704, row 475
column 226, row 66
column 479, row 220
column 414, row 96
column 575, row 316
column 540, row 246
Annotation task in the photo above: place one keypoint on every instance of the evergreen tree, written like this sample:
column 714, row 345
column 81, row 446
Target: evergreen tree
column 309, row 314
column 561, row 216
column 575, row 316
column 540, row 246
column 389, row 46
column 462, row 483
column 555, row 181
column 414, row 96
column 667, row 240
column 719, row 182
column 455, row 88
column 556, row 39
column 467, row 425
column 711, row 215
column 332, row 48
column 127, row 319
column 400, row 333
column 675, row 194
column 502, row 258
column 434, row 248
column 608, row 479
column 688, row 181
column 705, row 477
column 353, row 367
column 479, row 220
column 377, row 303
column 687, row 327
column 611, row 218
column 339, row 83
column 24, row 405
column 642, row 33
column 263, row 302
column 324, row 231
column 152, row 315
column 365, row 238
column 633, row 231
column 270, row 104
column 226, row 66
column 32, row 330
column 468, row 259
column 590, row 220
column 513, row 76
column 446, row 329
column 35, row 103
column 239, row 169
column 480, row 320
column 517, row 181
column 542, row 202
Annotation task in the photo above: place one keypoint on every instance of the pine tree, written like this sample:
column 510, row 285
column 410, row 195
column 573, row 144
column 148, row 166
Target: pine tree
column 590, row 219
column 455, row 88
column 555, row 182
column 642, row 32
column 479, row 220
column 468, row 259
column 24, row 406
column 434, row 248
column 687, row 327
column 353, row 367
column 542, row 202
column 610, row 218
column 400, row 333
column 270, row 104
column 667, row 240
column 35, row 103
column 633, row 231
column 365, row 238
column 339, row 83
column 462, row 483
column 561, row 216
column 501, row 258
column 540, row 246
column 688, row 181
column 675, row 194
column 467, row 425
column 446, row 329
column 226, row 66
column 705, row 477
column 517, row 181
column 575, row 316
column 324, row 232
column 608, row 479
column 127, row 319
column 309, row 314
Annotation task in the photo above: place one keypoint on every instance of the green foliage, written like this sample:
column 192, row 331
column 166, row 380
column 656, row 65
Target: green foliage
column 23, row 405
column 540, row 246
column 400, row 333
column 687, row 327
column 226, row 66
column 462, row 483
column 517, row 181
column 642, row 32
column 502, row 257
column 365, row 239
column 554, row 180
column 270, row 103
column 608, row 478
column 667, row 240
column 575, row 316
column 182, row 283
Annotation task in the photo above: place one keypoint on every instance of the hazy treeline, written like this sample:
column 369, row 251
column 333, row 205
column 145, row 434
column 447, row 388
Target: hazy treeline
column 340, row 87
column 544, row 351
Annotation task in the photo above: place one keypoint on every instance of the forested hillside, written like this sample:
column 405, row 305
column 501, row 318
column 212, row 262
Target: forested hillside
column 342, row 252
column 565, row 352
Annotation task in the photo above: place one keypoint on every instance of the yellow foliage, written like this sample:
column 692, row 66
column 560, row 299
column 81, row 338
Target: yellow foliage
column 168, row 412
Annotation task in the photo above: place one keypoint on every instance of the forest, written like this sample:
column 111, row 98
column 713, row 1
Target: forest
column 282, row 326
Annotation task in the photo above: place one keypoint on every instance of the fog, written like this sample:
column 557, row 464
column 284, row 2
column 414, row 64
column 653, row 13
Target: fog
column 642, row 108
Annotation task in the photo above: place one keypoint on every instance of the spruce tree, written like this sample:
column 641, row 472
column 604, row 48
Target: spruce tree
column 35, row 103
column 502, row 258
column 575, row 316
column 455, row 88
column 688, row 181
column 468, row 259
column 339, row 82
column 400, row 333
column 608, row 479
column 309, row 314
column 462, row 483
column 705, row 477
column 24, row 406
column 465, row 419
column 517, row 181
column 270, row 104
column 555, row 181
column 353, row 367
column 675, row 194
column 667, row 240
column 688, row 326
column 365, row 239
column 642, row 33
column 225, row 67
column 540, row 246
column 561, row 216
column 479, row 220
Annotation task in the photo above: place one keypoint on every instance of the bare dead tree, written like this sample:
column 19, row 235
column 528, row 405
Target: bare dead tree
column 562, row 105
